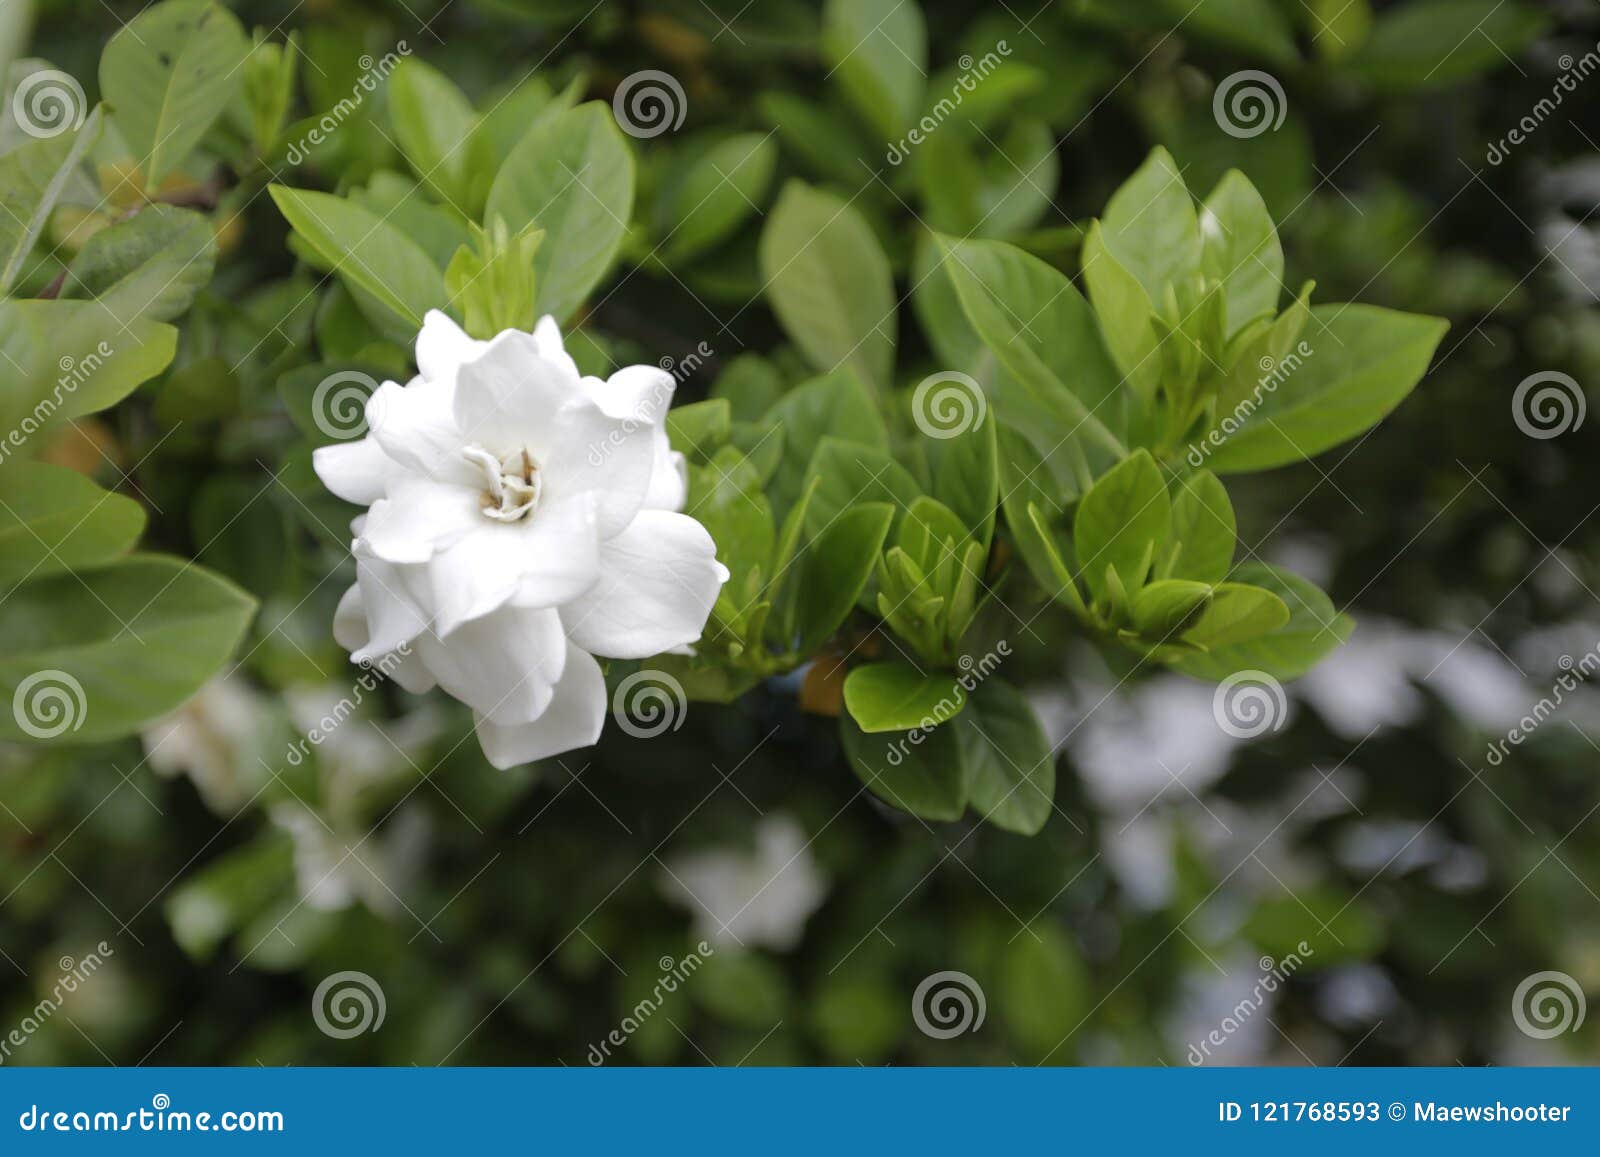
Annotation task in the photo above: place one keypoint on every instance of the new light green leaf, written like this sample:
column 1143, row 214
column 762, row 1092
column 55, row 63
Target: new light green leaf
column 1240, row 248
column 1123, row 517
column 1313, row 630
column 1150, row 227
column 169, row 73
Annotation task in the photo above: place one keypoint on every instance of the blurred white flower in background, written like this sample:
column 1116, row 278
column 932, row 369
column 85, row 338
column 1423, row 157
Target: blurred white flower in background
column 759, row 897
column 522, row 519
column 218, row 738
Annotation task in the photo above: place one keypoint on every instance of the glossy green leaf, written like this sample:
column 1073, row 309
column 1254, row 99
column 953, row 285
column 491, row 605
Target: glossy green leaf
column 835, row 569
column 895, row 696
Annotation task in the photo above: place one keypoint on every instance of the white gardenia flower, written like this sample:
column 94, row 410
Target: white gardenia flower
column 522, row 519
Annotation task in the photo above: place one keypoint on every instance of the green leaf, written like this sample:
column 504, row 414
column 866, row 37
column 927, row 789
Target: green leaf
column 895, row 696
column 66, row 359
column 1360, row 362
column 1237, row 613
column 829, row 283
column 1240, row 248
column 169, row 73
column 1007, row 760
column 1151, row 228
column 1117, row 522
column 573, row 176
column 1432, row 43
column 836, row 404
column 1044, row 994
column 239, row 532
column 433, row 124
column 916, row 771
column 1040, row 329
column 132, row 640
column 1313, row 630
column 878, row 50
column 32, row 177
column 700, row 428
column 150, row 265
column 1204, row 528
column 835, row 569
column 721, row 187
column 53, row 519
column 1255, row 26
column 929, row 532
column 370, row 255
column 1169, row 607
column 966, row 476
column 848, row 474
column 1125, row 314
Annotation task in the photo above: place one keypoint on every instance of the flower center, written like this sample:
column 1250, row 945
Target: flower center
column 511, row 484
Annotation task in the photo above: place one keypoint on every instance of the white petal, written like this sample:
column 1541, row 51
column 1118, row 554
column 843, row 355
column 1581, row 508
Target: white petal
column 354, row 471
column 544, row 560
column 547, row 337
column 639, row 393
column 420, row 518
column 669, row 479
column 574, row 718
column 393, row 617
column 350, row 632
column 416, row 427
column 443, row 347
column 509, row 397
column 504, row 665
column 658, row 580
column 610, row 458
